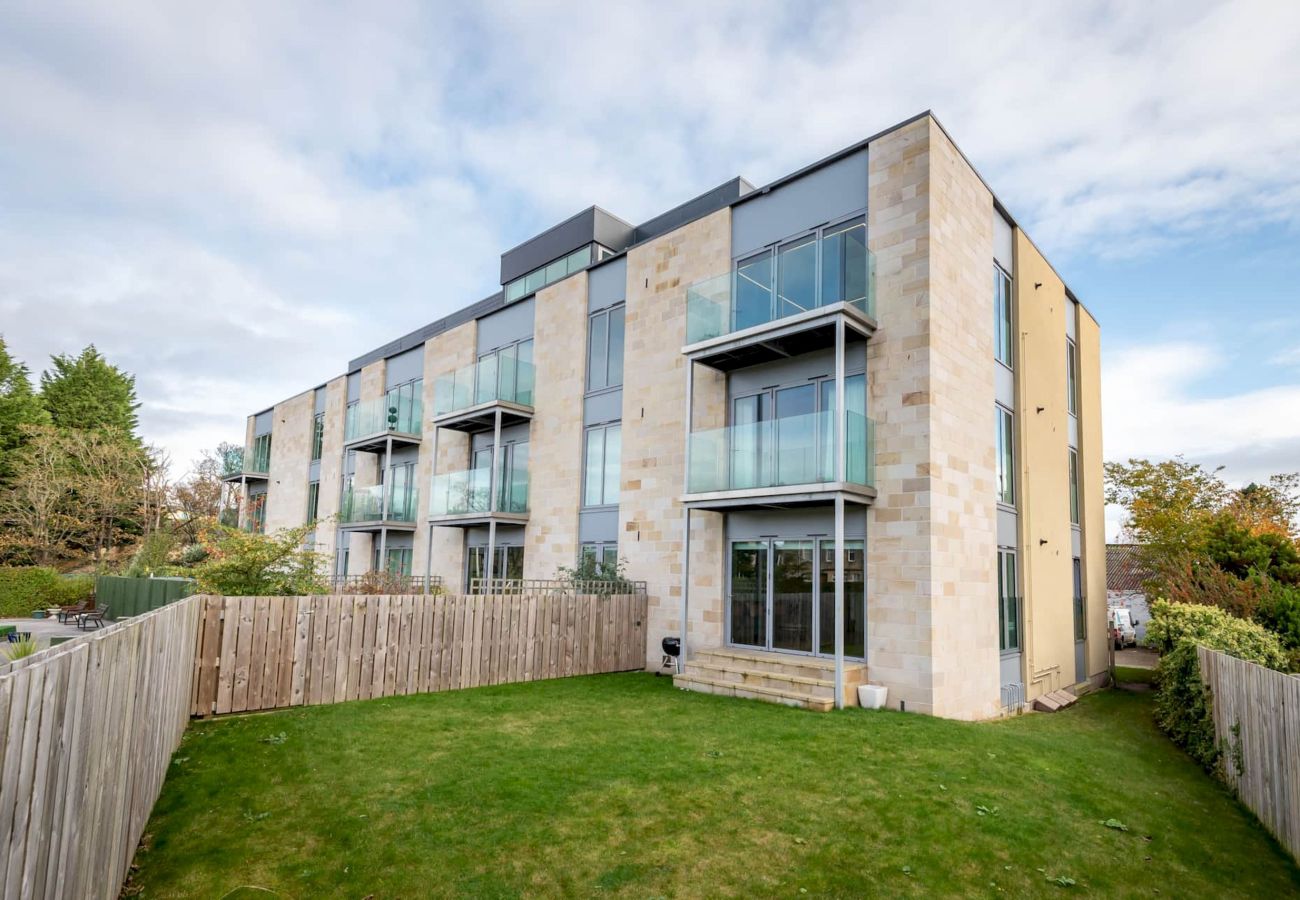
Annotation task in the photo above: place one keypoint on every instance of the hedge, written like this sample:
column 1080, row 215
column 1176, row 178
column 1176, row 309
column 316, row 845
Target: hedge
column 27, row 588
column 1183, row 705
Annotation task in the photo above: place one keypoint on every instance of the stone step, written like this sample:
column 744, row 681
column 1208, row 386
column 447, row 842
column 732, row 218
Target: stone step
column 734, row 674
column 855, row 673
column 1056, row 700
column 753, row 692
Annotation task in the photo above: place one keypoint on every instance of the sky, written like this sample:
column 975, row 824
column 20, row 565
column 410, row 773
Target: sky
column 232, row 200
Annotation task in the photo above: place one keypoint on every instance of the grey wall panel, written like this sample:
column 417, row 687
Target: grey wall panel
column 1071, row 319
column 597, row 526
column 1004, row 381
column 818, row 197
column 319, row 400
column 511, row 434
column 397, row 540
column 1080, row 663
column 1007, row 530
column 816, row 521
column 1009, row 670
column 513, row 323
column 795, row 370
column 350, row 462
column 696, row 208
column 313, row 470
column 354, row 387
column 1073, row 436
column 592, row 224
column 601, row 408
column 1076, row 543
column 263, row 422
column 404, row 367
column 1003, row 243
column 607, row 284
column 507, row 536
column 405, row 453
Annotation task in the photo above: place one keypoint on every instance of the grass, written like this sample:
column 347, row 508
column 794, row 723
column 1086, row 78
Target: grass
column 1135, row 675
column 620, row 786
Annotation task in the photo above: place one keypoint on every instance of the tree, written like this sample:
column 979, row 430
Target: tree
column 1238, row 550
column 88, row 392
column 19, row 406
column 113, row 478
column 243, row 564
column 1271, row 507
column 1170, row 504
column 39, row 507
column 199, row 496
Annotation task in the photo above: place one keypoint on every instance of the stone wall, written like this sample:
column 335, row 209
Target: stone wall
column 555, row 437
column 331, row 467
column 443, row 354
column 291, row 429
column 654, row 412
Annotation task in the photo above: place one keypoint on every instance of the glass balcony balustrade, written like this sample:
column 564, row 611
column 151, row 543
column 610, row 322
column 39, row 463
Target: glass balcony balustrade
column 469, row 492
column 796, row 450
column 398, row 412
column 830, row 267
column 367, row 505
column 499, row 377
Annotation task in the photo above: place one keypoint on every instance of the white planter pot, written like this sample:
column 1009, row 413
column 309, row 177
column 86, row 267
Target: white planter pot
column 872, row 696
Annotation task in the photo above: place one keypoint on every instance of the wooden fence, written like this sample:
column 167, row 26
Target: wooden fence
column 87, row 732
column 1257, row 721
column 259, row 653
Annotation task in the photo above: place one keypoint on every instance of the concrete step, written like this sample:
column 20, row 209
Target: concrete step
column 753, row 692
column 855, row 673
column 815, row 687
column 1055, row 701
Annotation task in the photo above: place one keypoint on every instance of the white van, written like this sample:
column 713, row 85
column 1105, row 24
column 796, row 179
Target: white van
column 1120, row 623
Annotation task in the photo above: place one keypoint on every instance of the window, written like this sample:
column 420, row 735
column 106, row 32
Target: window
column 1008, row 602
column 1006, row 443
column 403, row 408
column 313, row 500
column 1002, row 334
column 603, row 456
column 605, row 349
column 512, row 483
column 552, row 272
column 401, row 493
column 261, row 453
column 397, row 560
column 844, row 263
column 1074, row 486
column 1080, row 607
column 318, row 436
column 1072, row 377
column 256, row 513
column 601, row 559
column 508, row 563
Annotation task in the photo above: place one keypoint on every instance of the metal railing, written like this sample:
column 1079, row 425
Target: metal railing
column 601, row 587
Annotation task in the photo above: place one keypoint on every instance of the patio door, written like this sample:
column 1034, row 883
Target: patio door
column 782, row 596
column 773, row 439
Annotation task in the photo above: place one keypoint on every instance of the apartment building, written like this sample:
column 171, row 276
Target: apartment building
column 846, row 426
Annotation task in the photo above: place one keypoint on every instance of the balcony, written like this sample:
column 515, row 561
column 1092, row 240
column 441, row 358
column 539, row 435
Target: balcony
column 371, row 424
column 465, row 498
column 240, row 465
column 363, row 509
column 469, row 398
column 778, row 463
column 780, row 304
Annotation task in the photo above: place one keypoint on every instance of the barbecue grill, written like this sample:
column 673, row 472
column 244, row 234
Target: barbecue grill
column 672, row 650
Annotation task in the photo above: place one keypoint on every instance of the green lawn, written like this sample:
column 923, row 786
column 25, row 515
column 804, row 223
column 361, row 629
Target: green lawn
column 618, row 785
column 1135, row 675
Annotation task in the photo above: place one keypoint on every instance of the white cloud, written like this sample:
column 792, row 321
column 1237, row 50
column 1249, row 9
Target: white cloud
column 232, row 200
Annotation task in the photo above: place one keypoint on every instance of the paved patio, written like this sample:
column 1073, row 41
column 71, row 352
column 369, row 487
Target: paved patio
column 44, row 629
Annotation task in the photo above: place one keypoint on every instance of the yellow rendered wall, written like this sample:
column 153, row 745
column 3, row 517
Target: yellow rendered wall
column 1042, row 467
column 1091, row 491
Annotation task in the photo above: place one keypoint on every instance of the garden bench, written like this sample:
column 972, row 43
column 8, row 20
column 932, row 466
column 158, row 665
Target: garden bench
column 93, row 615
column 74, row 610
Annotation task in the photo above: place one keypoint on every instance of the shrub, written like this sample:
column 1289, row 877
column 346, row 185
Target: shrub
column 1279, row 612
column 26, row 588
column 153, row 554
column 20, row 649
column 240, row 563
column 1183, row 706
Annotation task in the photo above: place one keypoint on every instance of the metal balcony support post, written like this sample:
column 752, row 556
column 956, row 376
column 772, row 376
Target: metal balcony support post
column 841, row 475
column 492, row 496
column 428, row 506
column 686, row 519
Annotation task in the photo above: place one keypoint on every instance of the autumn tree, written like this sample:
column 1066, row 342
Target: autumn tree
column 198, row 497
column 1169, row 504
column 39, row 506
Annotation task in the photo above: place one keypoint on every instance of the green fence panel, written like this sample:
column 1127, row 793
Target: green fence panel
column 127, row 597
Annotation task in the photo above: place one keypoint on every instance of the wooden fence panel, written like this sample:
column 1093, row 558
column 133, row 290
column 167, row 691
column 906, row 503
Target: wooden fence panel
column 1257, row 721
column 89, row 728
column 256, row 653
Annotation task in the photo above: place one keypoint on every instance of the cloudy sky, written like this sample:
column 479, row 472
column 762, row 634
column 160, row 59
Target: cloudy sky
column 232, row 200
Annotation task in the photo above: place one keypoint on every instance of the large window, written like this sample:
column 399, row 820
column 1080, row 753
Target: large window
column 506, row 374
column 1071, row 377
column 1008, row 602
column 600, row 558
column 397, row 560
column 313, row 500
column 552, row 272
column 1006, row 444
column 261, row 454
column 1003, row 346
column 1074, row 486
column 508, row 563
column 605, row 349
column 1080, row 606
column 317, row 436
column 604, row 452
column 828, row 265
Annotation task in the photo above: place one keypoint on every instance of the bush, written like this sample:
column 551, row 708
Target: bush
column 1183, row 706
column 243, row 564
column 1279, row 612
column 27, row 588
column 153, row 554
